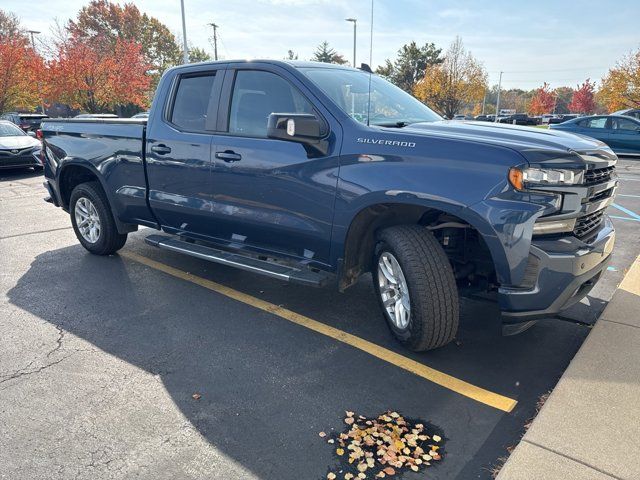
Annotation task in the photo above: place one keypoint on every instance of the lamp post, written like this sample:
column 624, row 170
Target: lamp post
column 185, row 53
column 498, row 102
column 33, row 46
column 354, row 21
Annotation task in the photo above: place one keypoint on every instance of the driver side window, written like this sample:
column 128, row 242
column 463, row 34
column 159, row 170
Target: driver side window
column 256, row 95
column 624, row 124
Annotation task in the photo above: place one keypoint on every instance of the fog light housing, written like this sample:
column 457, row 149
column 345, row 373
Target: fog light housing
column 547, row 227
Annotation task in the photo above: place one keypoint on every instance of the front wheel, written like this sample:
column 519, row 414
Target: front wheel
column 416, row 287
column 93, row 221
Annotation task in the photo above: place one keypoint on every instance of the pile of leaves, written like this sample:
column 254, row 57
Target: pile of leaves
column 383, row 447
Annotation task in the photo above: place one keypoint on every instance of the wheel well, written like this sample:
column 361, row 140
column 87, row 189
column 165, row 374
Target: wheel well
column 70, row 178
column 467, row 252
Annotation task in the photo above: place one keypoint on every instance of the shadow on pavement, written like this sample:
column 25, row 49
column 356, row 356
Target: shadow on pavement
column 269, row 386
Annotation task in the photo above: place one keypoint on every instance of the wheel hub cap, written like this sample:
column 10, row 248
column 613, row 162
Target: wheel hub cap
column 87, row 220
column 394, row 290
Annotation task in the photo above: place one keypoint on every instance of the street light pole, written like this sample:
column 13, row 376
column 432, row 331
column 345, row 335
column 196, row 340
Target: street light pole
column 354, row 21
column 215, row 40
column 33, row 46
column 498, row 102
column 185, row 53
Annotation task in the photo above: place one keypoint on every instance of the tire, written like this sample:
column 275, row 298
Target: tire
column 433, row 316
column 107, row 239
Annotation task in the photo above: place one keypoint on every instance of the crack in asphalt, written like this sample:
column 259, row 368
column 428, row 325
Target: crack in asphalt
column 24, row 371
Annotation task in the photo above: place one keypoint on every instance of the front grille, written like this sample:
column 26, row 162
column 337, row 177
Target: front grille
column 600, row 196
column 588, row 223
column 598, row 175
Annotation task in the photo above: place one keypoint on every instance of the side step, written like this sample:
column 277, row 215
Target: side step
column 271, row 269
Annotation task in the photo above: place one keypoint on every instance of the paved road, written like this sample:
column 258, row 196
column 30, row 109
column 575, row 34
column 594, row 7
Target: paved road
column 100, row 357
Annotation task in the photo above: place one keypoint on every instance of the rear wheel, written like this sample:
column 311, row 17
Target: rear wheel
column 416, row 287
column 93, row 221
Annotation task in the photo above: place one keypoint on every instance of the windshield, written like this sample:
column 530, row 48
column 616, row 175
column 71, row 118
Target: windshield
column 390, row 106
column 10, row 130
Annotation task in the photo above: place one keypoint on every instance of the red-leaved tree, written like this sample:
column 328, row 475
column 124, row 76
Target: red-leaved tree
column 21, row 68
column 86, row 75
column 583, row 100
column 542, row 101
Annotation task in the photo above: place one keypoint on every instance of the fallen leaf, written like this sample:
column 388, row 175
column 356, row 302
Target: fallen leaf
column 196, row 396
column 436, row 438
column 331, row 476
column 322, row 434
column 389, row 471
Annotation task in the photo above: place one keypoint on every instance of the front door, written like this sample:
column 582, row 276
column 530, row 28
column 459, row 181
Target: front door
column 625, row 135
column 179, row 162
column 269, row 194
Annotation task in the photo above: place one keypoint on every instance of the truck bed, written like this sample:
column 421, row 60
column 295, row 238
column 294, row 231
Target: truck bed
column 114, row 149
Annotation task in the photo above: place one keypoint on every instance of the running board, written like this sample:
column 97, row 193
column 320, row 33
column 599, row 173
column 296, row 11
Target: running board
column 286, row 273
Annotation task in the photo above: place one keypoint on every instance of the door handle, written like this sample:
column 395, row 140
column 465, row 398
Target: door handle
column 229, row 156
column 161, row 149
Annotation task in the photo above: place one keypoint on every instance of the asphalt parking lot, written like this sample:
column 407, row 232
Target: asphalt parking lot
column 100, row 358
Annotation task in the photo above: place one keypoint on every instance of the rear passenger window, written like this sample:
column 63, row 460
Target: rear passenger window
column 597, row 122
column 258, row 94
column 192, row 102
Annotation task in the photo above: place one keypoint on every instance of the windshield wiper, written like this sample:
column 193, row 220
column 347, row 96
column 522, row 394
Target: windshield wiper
column 399, row 124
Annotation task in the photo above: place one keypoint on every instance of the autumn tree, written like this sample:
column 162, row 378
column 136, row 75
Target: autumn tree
column 111, row 23
column 410, row 66
column 542, row 101
column 324, row 53
column 96, row 80
column 621, row 86
column 583, row 100
column 9, row 26
column 21, row 67
column 459, row 80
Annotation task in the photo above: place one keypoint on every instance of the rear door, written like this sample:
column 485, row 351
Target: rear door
column 596, row 127
column 273, row 195
column 625, row 135
column 178, row 151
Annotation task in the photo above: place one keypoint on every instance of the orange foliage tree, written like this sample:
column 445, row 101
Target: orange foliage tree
column 542, row 101
column 95, row 79
column 583, row 100
column 621, row 86
column 20, row 70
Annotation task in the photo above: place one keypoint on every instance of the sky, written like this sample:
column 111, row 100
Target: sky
column 560, row 42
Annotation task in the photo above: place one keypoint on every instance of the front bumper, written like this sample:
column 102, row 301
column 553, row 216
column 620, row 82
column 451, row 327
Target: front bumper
column 19, row 161
column 565, row 270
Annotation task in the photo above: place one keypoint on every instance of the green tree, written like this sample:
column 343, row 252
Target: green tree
column 197, row 54
column 324, row 53
column 291, row 55
column 411, row 65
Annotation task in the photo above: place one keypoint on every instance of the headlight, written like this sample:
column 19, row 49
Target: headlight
column 546, row 227
column 521, row 177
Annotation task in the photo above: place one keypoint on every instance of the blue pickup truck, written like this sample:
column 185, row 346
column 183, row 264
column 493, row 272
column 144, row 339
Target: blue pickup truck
column 315, row 173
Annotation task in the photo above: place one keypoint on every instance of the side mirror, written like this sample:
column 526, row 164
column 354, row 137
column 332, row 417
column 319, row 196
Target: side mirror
column 300, row 128
column 31, row 134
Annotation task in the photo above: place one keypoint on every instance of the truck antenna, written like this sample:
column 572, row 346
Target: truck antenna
column 370, row 63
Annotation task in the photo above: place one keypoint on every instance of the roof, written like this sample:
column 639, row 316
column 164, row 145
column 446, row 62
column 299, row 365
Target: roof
column 292, row 63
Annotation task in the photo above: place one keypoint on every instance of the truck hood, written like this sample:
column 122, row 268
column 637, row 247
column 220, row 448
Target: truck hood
column 535, row 144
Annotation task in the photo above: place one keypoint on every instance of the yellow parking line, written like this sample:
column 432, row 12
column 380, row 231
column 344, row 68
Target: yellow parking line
column 631, row 281
column 481, row 395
